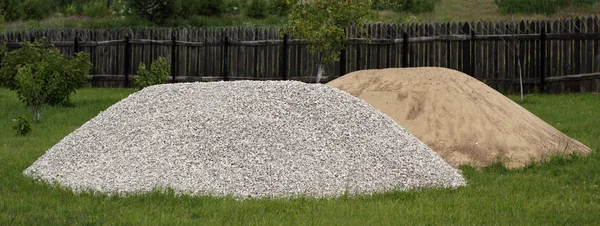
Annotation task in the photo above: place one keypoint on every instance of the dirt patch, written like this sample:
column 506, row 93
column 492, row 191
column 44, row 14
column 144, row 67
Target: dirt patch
column 459, row 117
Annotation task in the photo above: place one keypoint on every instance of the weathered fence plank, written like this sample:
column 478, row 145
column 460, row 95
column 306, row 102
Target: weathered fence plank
column 497, row 52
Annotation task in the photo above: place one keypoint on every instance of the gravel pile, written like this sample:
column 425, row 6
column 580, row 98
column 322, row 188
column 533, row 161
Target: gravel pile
column 244, row 139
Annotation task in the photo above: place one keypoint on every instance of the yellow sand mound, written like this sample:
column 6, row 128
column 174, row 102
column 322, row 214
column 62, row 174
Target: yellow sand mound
column 460, row 118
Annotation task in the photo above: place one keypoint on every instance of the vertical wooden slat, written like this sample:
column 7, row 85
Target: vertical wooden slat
column 413, row 47
column 589, row 46
column 444, row 47
column 566, row 49
column 596, row 56
column 432, row 55
column 577, row 62
column 498, row 51
column 478, row 58
column 455, row 47
column 554, row 51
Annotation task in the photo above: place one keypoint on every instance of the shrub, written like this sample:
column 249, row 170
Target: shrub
column 279, row 7
column 95, row 9
column 210, row 7
column 46, row 66
column 70, row 10
column 21, row 126
column 231, row 7
column 37, row 9
column 413, row 6
column 157, row 11
column 118, row 7
column 257, row 9
column 13, row 10
column 158, row 74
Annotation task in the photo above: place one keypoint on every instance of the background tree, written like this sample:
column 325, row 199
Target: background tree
column 322, row 23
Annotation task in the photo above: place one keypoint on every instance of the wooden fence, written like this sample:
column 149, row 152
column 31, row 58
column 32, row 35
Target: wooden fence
column 551, row 55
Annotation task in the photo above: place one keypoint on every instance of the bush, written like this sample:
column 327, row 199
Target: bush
column 161, row 11
column 95, row 9
column 43, row 63
column 210, row 7
column 37, row 9
column 257, row 9
column 540, row 6
column 231, row 7
column 70, row 10
column 13, row 10
column 21, row 126
column 157, row 11
column 412, row 6
column 158, row 74
column 279, row 7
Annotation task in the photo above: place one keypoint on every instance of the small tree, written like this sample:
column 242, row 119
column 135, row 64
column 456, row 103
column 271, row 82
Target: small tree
column 31, row 88
column 322, row 23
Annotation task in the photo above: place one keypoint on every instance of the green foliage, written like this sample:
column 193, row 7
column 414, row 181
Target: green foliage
column 118, row 8
column 158, row 74
column 257, row 9
column 322, row 24
column 21, row 126
column 412, row 6
column 540, row 6
column 189, row 8
column 44, row 65
column 13, row 10
column 279, row 7
column 37, row 9
column 210, row 7
column 109, row 22
column 70, row 10
column 231, row 7
column 26, row 9
column 95, row 9
column 31, row 87
column 161, row 12
column 157, row 11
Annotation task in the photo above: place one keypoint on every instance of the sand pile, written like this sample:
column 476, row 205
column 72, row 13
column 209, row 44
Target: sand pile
column 459, row 117
column 258, row 139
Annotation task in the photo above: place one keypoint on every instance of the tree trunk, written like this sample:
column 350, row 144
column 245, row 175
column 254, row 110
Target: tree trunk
column 319, row 73
column 35, row 111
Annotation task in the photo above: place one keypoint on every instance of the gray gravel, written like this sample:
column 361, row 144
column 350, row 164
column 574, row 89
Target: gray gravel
column 244, row 139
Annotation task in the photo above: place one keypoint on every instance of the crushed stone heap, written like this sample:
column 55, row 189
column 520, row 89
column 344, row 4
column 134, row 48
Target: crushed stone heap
column 244, row 139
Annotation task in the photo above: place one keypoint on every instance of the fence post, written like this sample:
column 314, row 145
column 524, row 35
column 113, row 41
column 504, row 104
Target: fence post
column 173, row 57
column 343, row 57
column 358, row 57
column 127, row 59
column 284, row 58
column 225, row 57
column 405, row 47
column 543, row 38
column 76, row 44
column 466, row 51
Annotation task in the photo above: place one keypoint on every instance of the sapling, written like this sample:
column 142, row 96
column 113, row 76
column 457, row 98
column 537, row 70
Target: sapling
column 322, row 24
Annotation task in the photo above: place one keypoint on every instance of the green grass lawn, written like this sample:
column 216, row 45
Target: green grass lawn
column 563, row 191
